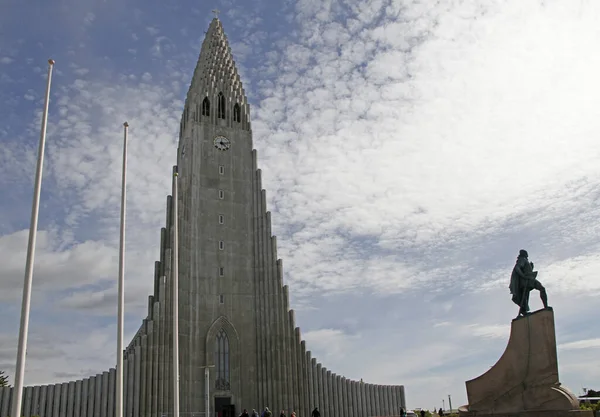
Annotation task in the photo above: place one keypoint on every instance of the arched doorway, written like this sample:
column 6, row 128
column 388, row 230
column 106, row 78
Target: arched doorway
column 224, row 356
column 223, row 407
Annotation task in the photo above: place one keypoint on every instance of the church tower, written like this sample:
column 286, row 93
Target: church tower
column 218, row 265
column 239, row 346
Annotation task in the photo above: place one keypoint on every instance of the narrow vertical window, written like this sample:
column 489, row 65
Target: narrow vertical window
column 222, row 357
column 206, row 107
column 221, row 194
column 221, row 299
column 221, row 106
column 221, row 169
column 221, row 245
column 237, row 113
column 221, row 219
column 221, row 272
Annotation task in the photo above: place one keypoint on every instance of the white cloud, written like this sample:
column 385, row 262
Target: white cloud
column 402, row 143
column 581, row 344
column 6, row 60
column 152, row 30
column 89, row 18
column 81, row 264
column 333, row 341
column 63, row 352
column 81, row 71
column 498, row 331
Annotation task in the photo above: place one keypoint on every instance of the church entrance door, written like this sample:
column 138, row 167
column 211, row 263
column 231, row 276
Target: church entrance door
column 223, row 407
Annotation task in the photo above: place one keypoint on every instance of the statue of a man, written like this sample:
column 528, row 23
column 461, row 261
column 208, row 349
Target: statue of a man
column 522, row 281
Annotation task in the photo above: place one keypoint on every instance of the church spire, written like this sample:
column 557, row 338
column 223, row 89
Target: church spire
column 216, row 94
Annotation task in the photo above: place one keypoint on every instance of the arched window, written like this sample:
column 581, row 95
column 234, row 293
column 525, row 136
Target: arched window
column 205, row 107
column 221, row 106
column 222, row 361
column 237, row 113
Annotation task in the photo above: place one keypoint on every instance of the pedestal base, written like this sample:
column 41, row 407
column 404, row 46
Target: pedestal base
column 524, row 382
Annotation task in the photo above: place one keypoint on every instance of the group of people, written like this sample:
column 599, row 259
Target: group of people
column 315, row 413
column 266, row 413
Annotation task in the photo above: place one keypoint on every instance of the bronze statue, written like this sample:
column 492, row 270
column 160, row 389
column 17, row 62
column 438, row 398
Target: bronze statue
column 524, row 279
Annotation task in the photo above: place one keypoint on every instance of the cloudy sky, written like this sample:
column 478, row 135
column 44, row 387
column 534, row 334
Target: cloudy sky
column 409, row 150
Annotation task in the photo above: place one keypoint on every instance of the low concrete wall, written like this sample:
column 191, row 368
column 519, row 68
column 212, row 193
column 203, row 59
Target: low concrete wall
column 92, row 396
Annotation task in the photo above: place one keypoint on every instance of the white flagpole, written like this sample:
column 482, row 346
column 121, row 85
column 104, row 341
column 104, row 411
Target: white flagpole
column 175, row 291
column 25, row 306
column 207, row 391
column 121, row 296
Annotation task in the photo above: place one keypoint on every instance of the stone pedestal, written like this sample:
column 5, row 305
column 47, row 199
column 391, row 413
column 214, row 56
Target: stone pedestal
column 524, row 382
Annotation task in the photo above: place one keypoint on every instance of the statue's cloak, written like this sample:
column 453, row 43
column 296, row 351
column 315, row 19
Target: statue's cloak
column 519, row 284
column 515, row 287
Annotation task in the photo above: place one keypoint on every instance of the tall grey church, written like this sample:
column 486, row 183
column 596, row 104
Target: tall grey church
column 234, row 313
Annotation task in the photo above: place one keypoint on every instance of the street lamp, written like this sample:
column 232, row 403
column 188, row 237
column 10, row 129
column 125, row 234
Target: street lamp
column 450, row 403
column 207, row 388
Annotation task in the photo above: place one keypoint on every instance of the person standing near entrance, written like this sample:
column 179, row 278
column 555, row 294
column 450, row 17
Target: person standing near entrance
column 254, row 413
column 245, row 413
column 315, row 412
column 282, row 414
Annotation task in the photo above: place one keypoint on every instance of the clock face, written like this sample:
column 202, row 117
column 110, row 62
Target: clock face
column 222, row 143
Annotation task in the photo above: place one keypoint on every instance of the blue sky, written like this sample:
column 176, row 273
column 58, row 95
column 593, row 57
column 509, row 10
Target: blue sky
column 409, row 150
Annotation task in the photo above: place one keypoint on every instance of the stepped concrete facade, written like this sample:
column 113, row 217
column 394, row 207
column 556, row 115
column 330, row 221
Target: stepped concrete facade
column 234, row 312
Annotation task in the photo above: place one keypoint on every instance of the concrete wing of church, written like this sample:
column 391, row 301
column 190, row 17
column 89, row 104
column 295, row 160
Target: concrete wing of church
column 234, row 313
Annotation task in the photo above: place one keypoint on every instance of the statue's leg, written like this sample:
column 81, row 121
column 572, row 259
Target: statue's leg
column 543, row 294
column 523, row 305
